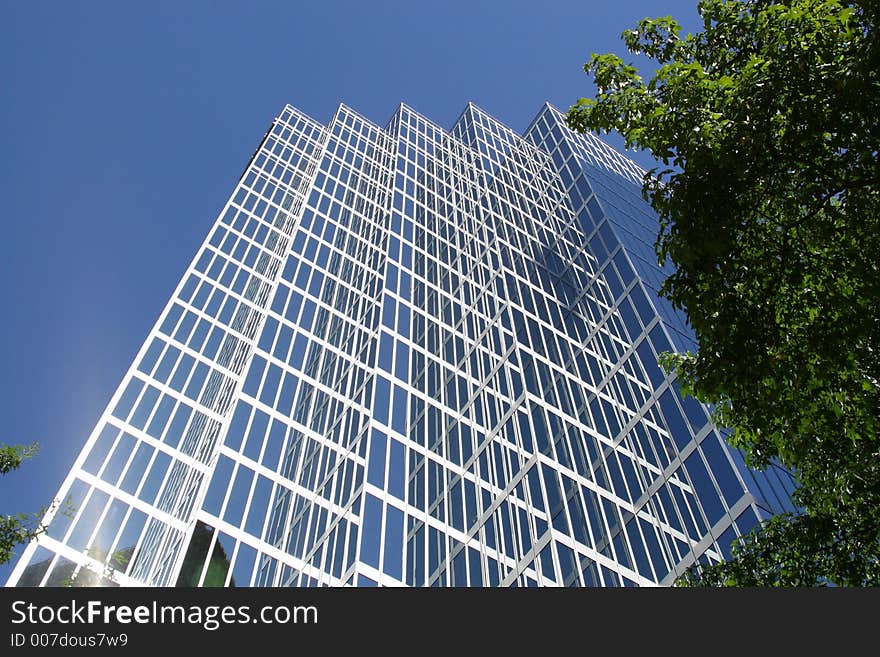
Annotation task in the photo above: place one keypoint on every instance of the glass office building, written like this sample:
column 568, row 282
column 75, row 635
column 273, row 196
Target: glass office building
column 407, row 355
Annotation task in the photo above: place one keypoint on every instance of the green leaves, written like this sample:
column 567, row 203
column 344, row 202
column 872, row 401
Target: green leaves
column 22, row 527
column 658, row 38
column 14, row 530
column 12, row 456
column 769, row 208
column 803, row 550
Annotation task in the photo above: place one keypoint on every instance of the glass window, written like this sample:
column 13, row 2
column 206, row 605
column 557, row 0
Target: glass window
column 238, row 495
column 136, row 468
column 376, row 461
column 145, row 407
column 393, row 542
column 678, row 429
column 382, row 399
column 703, row 487
column 126, row 401
column 396, row 469
column 398, row 417
column 371, row 531
column 158, row 470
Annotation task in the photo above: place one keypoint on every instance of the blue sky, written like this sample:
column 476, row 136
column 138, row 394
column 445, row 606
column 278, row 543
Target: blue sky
column 126, row 125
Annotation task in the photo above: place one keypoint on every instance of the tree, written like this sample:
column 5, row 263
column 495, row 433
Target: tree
column 21, row 527
column 769, row 206
column 194, row 560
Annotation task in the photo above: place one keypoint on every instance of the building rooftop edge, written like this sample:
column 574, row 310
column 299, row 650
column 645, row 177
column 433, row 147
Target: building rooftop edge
column 469, row 106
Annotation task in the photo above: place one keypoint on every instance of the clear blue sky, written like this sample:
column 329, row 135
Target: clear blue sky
column 126, row 125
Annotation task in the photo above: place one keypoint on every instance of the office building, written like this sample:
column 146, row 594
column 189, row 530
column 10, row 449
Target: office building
column 410, row 355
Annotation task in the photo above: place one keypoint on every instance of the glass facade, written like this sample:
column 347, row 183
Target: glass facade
column 410, row 356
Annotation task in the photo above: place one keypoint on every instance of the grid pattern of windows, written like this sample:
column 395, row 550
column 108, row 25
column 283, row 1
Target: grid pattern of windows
column 411, row 356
